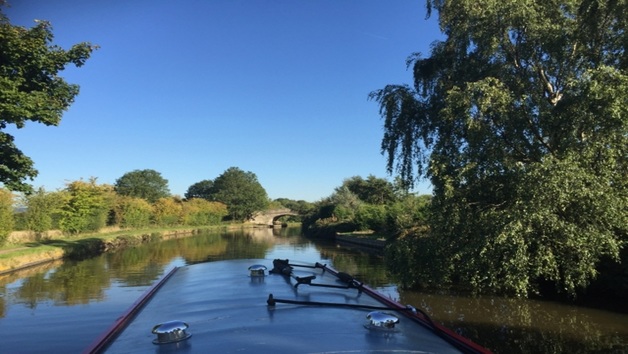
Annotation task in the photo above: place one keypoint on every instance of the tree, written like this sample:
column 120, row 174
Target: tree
column 31, row 90
column 145, row 184
column 131, row 212
column 167, row 212
column 519, row 119
column 241, row 192
column 6, row 214
column 371, row 190
column 42, row 210
column 86, row 207
column 202, row 189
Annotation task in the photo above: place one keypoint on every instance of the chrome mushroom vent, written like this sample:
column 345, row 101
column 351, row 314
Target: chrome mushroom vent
column 257, row 270
column 381, row 320
column 170, row 332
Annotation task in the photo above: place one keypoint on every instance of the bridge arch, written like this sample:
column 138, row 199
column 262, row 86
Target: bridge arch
column 268, row 217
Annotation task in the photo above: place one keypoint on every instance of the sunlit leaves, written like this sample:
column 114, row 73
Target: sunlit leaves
column 146, row 184
column 31, row 90
column 6, row 214
column 241, row 192
column 520, row 115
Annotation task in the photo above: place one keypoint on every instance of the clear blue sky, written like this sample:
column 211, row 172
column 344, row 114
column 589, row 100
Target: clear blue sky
column 190, row 88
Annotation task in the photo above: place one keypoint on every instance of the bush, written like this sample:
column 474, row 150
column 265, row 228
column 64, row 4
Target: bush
column 6, row 214
column 42, row 211
column 199, row 212
column 86, row 207
column 371, row 217
column 131, row 212
column 167, row 212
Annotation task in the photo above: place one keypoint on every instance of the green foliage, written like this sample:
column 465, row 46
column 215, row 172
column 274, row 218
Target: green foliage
column 372, row 204
column 132, row 212
column 300, row 206
column 167, row 212
column 345, row 203
column 241, row 192
column 202, row 189
column 86, row 207
column 371, row 217
column 145, row 184
column 43, row 210
column 519, row 119
column 31, row 90
column 410, row 260
column 408, row 214
column 371, row 190
column 200, row 212
column 6, row 214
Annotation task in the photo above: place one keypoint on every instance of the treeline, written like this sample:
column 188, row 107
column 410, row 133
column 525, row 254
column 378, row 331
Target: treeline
column 372, row 204
column 138, row 199
column 85, row 206
column 405, row 219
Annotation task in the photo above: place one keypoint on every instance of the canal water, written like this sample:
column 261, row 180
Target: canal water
column 61, row 307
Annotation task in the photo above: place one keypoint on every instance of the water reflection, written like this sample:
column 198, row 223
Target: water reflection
column 85, row 297
column 527, row 326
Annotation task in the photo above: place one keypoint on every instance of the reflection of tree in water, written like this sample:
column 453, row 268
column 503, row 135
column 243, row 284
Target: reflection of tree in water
column 508, row 325
column 364, row 266
column 72, row 283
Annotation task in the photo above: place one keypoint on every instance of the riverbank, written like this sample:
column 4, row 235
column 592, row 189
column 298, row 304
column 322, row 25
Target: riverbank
column 377, row 244
column 26, row 251
column 29, row 253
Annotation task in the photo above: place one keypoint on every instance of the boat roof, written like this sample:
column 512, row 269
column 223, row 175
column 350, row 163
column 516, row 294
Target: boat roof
column 262, row 306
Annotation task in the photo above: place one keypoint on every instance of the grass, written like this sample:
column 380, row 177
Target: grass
column 29, row 251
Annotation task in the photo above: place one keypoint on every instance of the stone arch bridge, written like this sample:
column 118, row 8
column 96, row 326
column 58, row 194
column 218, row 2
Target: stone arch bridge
column 268, row 217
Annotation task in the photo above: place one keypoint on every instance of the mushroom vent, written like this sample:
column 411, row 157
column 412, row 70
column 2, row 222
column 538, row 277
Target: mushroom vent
column 170, row 332
column 381, row 320
column 257, row 270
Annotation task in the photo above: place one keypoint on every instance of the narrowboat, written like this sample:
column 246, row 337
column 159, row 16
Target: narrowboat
column 272, row 306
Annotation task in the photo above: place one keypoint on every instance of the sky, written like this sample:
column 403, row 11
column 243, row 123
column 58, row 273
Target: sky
column 191, row 88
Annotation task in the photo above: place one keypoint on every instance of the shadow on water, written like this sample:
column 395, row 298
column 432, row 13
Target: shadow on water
column 84, row 297
column 508, row 325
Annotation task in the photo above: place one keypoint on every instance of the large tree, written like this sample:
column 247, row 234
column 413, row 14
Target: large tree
column 31, row 90
column 519, row 118
column 146, row 184
column 241, row 192
column 202, row 189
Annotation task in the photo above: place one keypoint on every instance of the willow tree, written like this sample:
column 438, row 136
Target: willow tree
column 519, row 119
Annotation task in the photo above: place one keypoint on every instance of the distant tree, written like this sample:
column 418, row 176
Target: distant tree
column 6, row 214
column 299, row 206
column 241, row 192
column 42, row 208
column 31, row 90
column 202, row 189
column 146, row 184
column 519, row 119
column 371, row 190
column 345, row 203
column 86, row 207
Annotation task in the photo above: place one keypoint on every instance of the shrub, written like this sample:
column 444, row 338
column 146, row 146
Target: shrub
column 6, row 214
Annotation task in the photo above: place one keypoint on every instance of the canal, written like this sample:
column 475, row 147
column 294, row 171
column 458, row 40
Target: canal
column 63, row 306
